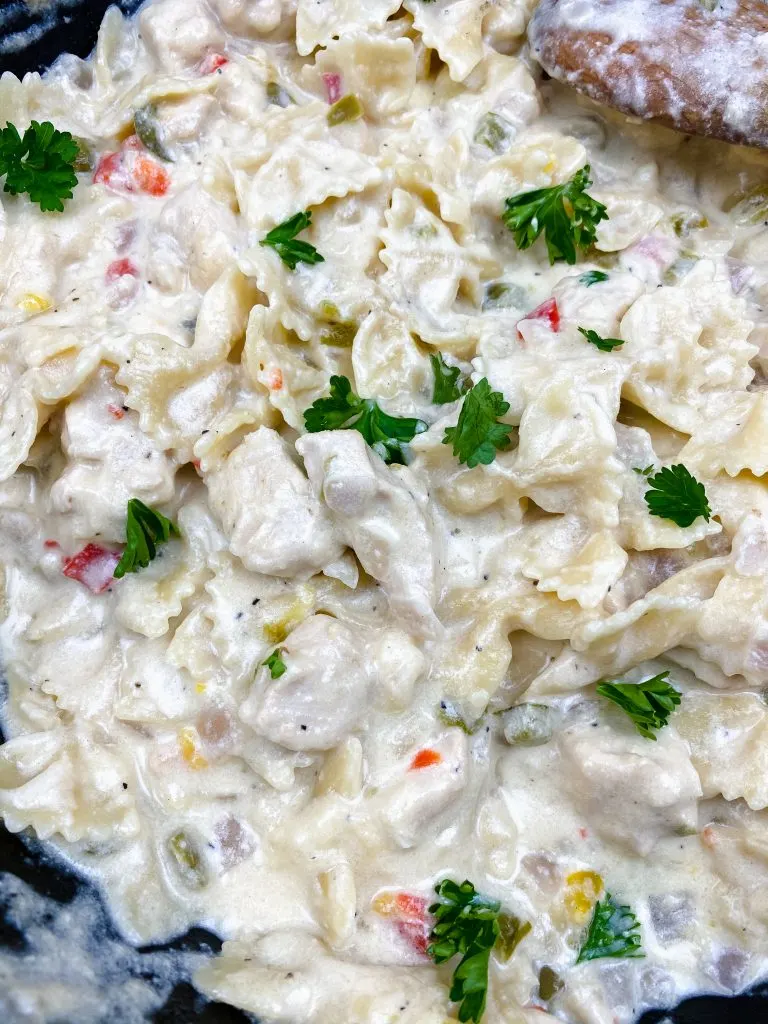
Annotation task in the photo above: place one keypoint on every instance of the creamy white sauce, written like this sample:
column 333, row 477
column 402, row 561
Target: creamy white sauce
column 151, row 348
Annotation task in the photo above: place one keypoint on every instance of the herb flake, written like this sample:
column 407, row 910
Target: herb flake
column 604, row 344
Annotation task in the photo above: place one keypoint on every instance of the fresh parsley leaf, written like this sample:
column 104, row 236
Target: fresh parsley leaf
column 448, row 385
column 614, row 931
column 565, row 213
column 41, row 163
column 649, row 704
column 477, row 436
column 344, row 410
column 145, row 529
column 290, row 250
column 590, row 277
column 275, row 663
column 604, row 344
column 643, row 472
column 466, row 925
column 677, row 495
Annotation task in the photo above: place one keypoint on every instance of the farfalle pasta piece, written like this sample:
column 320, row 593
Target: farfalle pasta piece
column 385, row 358
column 275, row 361
column 286, row 976
column 65, row 782
column 318, row 22
column 630, row 218
column 454, row 29
column 304, row 171
column 688, row 346
column 380, row 72
column 426, row 272
column 176, row 391
column 19, row 421
column 195, row 235
column 346, row 233
column 148, row 600
column 73, row 653
column 733, row 441
column 667, row 616
column 564, row 557
column 539, row 159
column 565, row 454
column 728, row 737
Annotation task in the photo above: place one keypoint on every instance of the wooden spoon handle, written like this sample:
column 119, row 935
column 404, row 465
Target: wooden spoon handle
column 675, row 62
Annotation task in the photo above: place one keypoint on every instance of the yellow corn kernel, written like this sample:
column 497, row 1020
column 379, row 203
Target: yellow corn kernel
column 583, row 889
column 188, row 745
column 200, row 687
column 31, row 303
column 549, row 166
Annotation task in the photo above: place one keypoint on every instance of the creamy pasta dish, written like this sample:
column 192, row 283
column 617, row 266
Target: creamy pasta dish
column 383, row 517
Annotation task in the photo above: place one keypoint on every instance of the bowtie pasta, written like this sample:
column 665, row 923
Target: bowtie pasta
column 368, row 529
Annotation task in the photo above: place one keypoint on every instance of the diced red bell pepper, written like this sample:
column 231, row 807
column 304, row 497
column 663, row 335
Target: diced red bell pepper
column 131, row 171
column 94, row 567
column 425, row 758
column 121, row 268
column 212, row 62
column 547, row 311
column 332, row 82
column 409, row 915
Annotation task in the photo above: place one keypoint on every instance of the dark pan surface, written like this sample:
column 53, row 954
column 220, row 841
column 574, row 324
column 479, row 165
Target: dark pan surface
column 72, row 28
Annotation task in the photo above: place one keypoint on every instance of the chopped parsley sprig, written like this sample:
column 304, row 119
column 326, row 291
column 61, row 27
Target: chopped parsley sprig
column 604, row 344
column 649, row 704
column 478, row 435
column 40, row 163
column 469, row 925
column 344, row 410
column 675, row 494
column 145, row 530
column 291, row 250
column 614, row 931
column 449, row 385
column 566, row 215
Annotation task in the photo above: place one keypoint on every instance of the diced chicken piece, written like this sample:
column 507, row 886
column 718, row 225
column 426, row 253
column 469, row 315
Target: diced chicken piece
column 323, row 692
column 423, row 793
column 379, row 513
column 110, row 461
column 274, row 522
column 195, row 235
column 178, row 33
column 634, row 790
column 287, row 977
